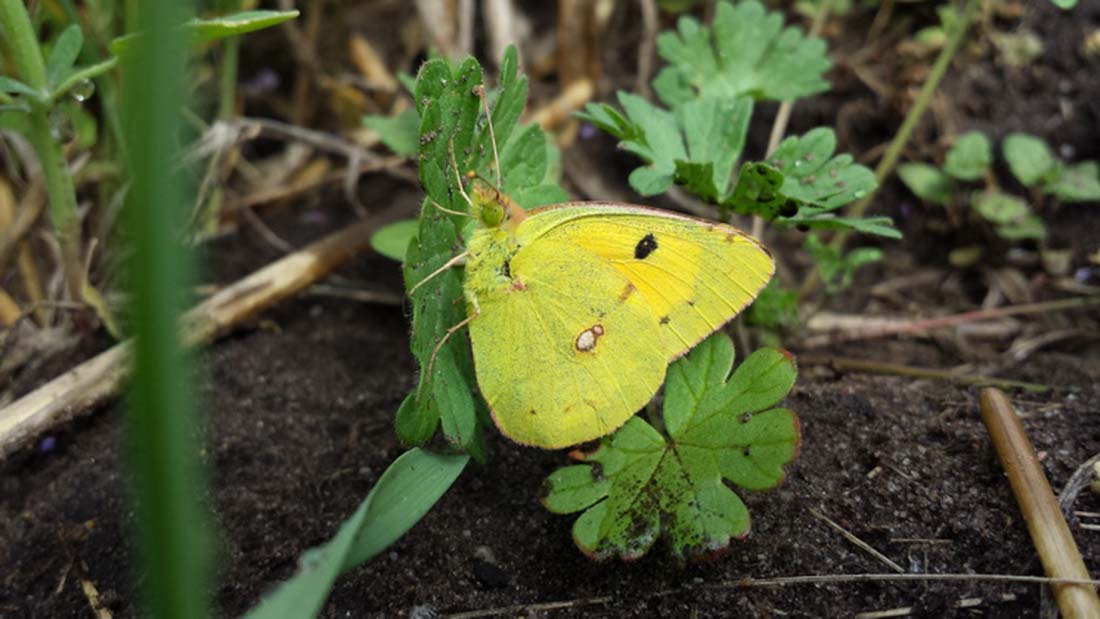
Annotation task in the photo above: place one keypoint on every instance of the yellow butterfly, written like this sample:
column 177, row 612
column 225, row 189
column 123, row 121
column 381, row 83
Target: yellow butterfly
column 575, row 310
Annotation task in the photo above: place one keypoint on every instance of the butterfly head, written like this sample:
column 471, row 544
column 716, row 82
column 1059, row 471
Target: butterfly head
column 492, row 207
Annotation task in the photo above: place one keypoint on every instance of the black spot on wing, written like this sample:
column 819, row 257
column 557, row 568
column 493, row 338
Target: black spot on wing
column 646, row 246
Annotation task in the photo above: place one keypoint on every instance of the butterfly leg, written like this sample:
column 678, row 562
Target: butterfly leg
column 457, row 260
column 451, row 331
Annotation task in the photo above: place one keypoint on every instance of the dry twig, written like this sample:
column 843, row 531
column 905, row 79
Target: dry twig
column 100, row 378
column 1049, row 531
column 897, row 369
column 851, row 537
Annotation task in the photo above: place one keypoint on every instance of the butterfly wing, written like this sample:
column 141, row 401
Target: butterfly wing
column 694, row 275
column 563, row 354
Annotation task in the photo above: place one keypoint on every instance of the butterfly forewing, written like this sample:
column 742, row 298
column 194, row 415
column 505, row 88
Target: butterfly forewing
column 693, row 275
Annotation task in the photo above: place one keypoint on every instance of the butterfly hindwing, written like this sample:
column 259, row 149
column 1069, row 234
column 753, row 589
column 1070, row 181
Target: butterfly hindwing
column 694, row 275
column 564, row 348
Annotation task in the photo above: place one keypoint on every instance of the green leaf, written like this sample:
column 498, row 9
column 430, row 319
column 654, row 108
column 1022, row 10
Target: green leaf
column 775, row 307
column 639, row 484
column 14, row 118
column 817, row 179
column 695, row 145
column 803, row 182
column 878, row 226
column 1078, row 183
column 746, row 51
column 201, row 31
column 838, row 269
column 412, row 484
column 1029, row 158
column 1030, row 227
column 14, row 86
column 927, row 182
column 1064, row 4
column 1000, row 208
column 236, row 24
column 80, row 121
column 399, row 133
column 393, row 240
column 969, row 157
column 65, row 51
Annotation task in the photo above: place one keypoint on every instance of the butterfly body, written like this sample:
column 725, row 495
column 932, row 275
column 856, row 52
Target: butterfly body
column 578, row 308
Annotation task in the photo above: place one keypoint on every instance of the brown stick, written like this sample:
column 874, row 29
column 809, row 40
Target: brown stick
column 897, row 369
column 99, row 379
column 952, row 320
column 1049, row 532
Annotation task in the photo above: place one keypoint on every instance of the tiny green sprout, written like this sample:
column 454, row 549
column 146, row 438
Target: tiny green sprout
column 642, row 483
column 838, row 269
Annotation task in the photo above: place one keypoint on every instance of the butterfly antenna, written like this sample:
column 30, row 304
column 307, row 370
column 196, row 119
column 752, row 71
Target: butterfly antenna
column 447, row 210
column 446, row 265
column 480, row 89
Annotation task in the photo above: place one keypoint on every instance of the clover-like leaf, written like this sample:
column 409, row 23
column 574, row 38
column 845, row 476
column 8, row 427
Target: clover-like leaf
column 641, row 484
column 969, row 157
column 1029, row 158
column 746, row 51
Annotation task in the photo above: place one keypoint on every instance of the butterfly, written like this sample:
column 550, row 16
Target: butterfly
column 575, row 310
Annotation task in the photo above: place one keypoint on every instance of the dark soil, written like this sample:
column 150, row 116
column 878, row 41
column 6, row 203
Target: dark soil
column 300, row 405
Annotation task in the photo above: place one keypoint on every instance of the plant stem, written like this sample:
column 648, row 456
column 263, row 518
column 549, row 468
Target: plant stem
column 886, row 165
column 27, row 57
column 783, row 116
column 227, row 92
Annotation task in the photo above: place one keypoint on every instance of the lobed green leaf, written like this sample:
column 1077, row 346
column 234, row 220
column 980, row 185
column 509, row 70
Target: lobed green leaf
column 746, row 51
column 640, row 485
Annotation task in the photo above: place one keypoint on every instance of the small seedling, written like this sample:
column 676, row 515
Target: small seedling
column 970, row 159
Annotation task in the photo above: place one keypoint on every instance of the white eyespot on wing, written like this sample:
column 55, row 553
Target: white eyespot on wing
column 588, row 338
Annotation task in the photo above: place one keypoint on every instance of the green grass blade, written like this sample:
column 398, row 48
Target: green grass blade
column 161, row 422
column 403, row 494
